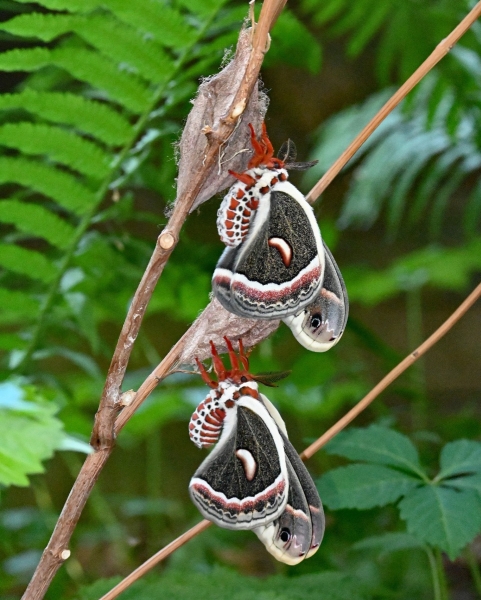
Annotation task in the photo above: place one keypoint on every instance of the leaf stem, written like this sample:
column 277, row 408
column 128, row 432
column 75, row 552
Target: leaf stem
column 435, row 574
column 474, row 568
column 441, row 575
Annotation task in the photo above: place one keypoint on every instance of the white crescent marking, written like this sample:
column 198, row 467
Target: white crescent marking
column 248, row 462
column 284, row 249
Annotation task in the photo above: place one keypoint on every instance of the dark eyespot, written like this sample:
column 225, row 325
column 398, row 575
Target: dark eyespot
column 316, row 321
column 285, row 535
column 243, row 378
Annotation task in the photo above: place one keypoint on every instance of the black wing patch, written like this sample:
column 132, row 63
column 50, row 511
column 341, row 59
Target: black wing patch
column 243, row 482
column 278, row 269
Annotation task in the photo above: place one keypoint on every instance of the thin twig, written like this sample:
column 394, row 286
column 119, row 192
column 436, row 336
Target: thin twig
column 438, row 53
column 156, row 559
column 317, row 445
column 103, row 436
column 394, row 374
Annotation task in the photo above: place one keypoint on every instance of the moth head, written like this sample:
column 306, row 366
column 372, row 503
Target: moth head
column 238, row 374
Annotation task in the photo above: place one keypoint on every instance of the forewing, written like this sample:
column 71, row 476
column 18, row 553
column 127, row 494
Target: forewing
column 280, row 266
column 243, row 483
column 321, row 324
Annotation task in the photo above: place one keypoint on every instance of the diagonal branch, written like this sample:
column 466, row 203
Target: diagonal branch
column 103, row 436
column 318, row 444
column 438, row 53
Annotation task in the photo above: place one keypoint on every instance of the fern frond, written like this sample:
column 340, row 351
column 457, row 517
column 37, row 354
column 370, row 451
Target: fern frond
column 37, row 222
column 61, row 187
column 26, row 262
column 204, row 8
column 70, row 5
column 166, row 25
column 17, row 307
column 115, row 39
column 59, row 145
column 89, row 116
column 87, row 66
column 411, row 162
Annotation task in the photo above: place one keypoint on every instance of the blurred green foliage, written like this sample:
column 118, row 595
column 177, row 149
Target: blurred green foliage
column 95, row 94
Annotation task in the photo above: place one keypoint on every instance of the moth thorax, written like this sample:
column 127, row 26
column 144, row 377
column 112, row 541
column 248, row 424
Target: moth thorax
column 238, row 207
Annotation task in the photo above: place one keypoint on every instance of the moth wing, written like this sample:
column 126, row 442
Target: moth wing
column 288, row 538
column 302, row 523
column 243, row 483
column 222, row 277
column 321, row 324
column 312, row 496
column 279, row 267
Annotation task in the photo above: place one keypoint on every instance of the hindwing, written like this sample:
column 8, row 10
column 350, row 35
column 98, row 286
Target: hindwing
column 297, row 533
column 320, row 325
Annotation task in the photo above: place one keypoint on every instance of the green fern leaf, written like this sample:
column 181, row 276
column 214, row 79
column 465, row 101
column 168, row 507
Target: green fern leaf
column 164, row 24
column 368, row 28
column 59, row 145
column 70, row 5
column 84, row 65
column 37, row 221
column 17, row 307
column 205, row 8
column 10, row 341
column 62, row 187
column 89, row 116
column 114, row 38
column 26, row 262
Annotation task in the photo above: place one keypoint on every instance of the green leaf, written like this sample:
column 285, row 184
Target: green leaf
column 58, row 144
column 89, row 116
column 293, row 44
column 205, row 8
column 17, row 307
column 221, row 583
column 163, row 23
column 37, row 221
column 378, row 445
column 363, row 486
column 390, row 542
column 443, row 517
column 85, row 65
column 62, row 187
column 470, row 482
column 460, row 457
column 115, row 39
column 29, row 434
column 26, row 262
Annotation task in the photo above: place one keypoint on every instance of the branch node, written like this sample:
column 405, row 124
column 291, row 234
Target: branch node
column 65, row 554
column 238, row 109
column 167, row 240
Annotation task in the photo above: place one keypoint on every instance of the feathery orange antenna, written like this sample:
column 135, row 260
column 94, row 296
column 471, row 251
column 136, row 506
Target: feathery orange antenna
column 263, row 151
column 204, row 374
column 233, row 358
column 217, row 363
column 242, row 356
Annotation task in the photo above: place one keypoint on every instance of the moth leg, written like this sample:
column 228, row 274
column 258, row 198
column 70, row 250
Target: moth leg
column 204, row 374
